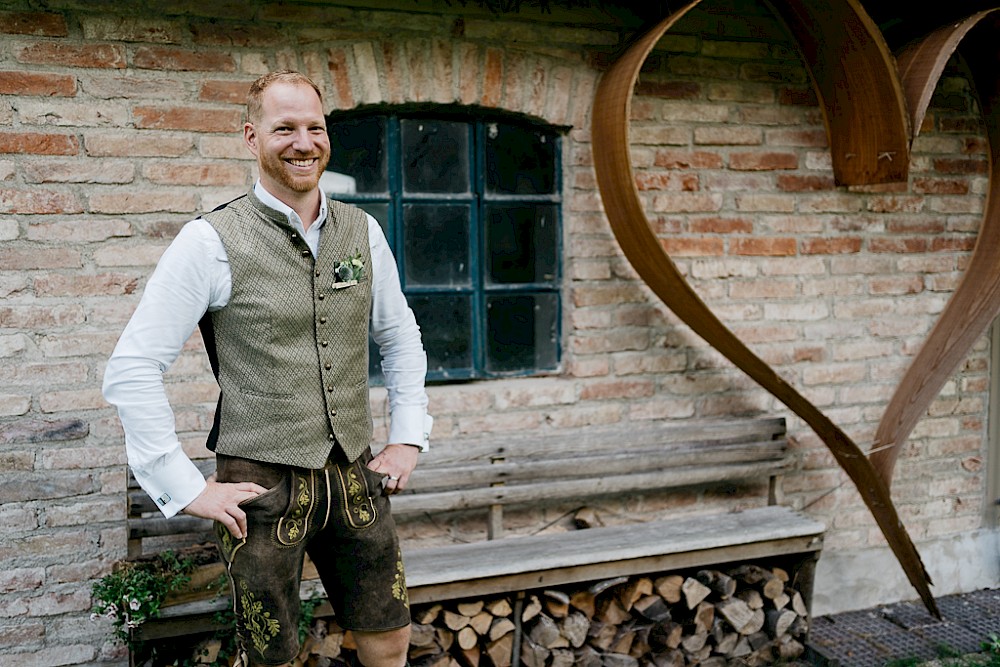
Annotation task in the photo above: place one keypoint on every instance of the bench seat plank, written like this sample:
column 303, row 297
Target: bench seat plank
column 518, row 563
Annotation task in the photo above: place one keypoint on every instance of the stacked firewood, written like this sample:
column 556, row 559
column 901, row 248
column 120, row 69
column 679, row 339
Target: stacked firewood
column 747, row 616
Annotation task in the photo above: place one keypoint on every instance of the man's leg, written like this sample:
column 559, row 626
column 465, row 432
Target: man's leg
column 383, row 649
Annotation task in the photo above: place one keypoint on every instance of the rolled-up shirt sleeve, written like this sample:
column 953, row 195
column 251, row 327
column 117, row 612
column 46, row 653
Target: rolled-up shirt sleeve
column 190, row 278
column 404, row 362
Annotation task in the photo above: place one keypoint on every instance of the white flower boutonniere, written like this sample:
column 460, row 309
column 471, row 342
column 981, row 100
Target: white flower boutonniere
column 348, row 272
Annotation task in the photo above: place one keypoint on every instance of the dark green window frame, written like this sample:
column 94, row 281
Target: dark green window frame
column 484, row 193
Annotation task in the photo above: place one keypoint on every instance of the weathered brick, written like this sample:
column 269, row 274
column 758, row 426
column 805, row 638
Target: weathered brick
column 22, row 487
column 93, row 171
column 79, row 231
column 21, row 579
column 767, row 161
column 613, row 389
column 14, row 405
column 121, row 144
column 233, row 34
column 47, row 372
column 23, row 635
column 666, row 181
column 39, row 143
column 194, row 173
column 28, row 258
column 37, row 83
column 30, row 431
column 796, row 183
column 693, row 247
column 670, row 90
column 831, row 246
column 64, row 401
column 80, row 514
column 727, row 136
column 224, row 90
column 18, row 460
column 111, row 28
column 40, row 24
column 340, row 75
column 187, row 118
column 687, row 202
column 38, row 202
column 60, row 602
column 940, row 186
column 78, row 458
column 174, row 58
column 143, row 202
column 103, row 284
column 98, row 56
column 721, row 225
column 76, row 114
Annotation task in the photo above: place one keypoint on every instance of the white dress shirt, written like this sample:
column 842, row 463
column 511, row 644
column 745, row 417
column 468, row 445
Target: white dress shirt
column 192, row 278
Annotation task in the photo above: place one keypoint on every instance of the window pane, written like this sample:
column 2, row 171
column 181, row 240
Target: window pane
column 435, row 156
column 378, row 211
column 357, row 150
column 436, row 244
column 446, row 325
column 521, row 332
column 519, row 160
column 521, row 243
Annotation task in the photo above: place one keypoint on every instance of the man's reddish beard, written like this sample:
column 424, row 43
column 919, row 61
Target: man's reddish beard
column 275, row 168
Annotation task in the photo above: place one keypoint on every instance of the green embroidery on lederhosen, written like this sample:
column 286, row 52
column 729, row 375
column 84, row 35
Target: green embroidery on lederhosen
column 228, row 544
column 292, row 527
column 361, row 512
column 399, row 584
column 258, row 623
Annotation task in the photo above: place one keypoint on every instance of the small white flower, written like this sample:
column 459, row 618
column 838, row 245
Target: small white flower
column 134, row 604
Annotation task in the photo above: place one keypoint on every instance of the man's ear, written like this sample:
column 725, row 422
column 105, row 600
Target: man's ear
column 250, row 137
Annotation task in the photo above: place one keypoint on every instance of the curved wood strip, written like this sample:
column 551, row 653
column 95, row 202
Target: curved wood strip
column 623, row 208
column 976, row 301
column 922, row 62
column 854, row 75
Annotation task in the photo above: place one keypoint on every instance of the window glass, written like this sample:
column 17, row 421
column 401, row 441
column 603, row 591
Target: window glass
column 521, row 330
column 446, row 324
column 435, row 156
column 519, row 160
column 436, row 244
column 358, row 150
column 471, row 209
column 520, row 243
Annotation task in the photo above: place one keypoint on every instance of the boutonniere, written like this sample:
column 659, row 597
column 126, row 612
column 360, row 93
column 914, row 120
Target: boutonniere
column 348, row 272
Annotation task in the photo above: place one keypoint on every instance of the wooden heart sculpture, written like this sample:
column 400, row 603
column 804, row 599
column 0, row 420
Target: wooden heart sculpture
column 855, row 79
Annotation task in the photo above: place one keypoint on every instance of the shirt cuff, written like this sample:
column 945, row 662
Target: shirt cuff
column 173, row 484
column 411, row 427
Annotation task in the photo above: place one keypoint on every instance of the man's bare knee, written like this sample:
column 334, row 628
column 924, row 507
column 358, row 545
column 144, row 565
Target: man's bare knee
column 383, row 649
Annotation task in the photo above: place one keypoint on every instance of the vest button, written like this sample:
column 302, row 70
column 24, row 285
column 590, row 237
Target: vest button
column 329, row 388
column 327, row 366
column 305, row 253
column 333, row 413
column 330, row 437
column 322, row 320
column 317, row 274
column 324, row 343
column 294, row 236
column 321, row 296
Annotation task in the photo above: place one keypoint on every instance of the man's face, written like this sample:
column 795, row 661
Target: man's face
column 289, row 140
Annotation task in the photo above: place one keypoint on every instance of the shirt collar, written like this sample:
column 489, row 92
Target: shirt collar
column 271, row 201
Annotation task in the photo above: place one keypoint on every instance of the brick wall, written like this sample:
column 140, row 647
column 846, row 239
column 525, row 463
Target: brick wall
column 119, row 123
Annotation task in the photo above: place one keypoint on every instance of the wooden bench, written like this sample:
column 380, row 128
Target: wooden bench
column 570, row 467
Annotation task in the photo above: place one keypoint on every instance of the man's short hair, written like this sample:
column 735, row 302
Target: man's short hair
column 255, row 95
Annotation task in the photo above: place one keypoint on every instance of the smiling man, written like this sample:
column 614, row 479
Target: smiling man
column 286, row 286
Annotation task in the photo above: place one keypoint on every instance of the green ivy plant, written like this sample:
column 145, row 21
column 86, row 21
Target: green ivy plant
column 134, row 591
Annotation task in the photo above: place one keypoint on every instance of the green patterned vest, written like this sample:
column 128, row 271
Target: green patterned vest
column 290, row 349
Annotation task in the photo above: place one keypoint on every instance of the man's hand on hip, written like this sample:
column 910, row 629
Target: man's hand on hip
column 220, row 501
